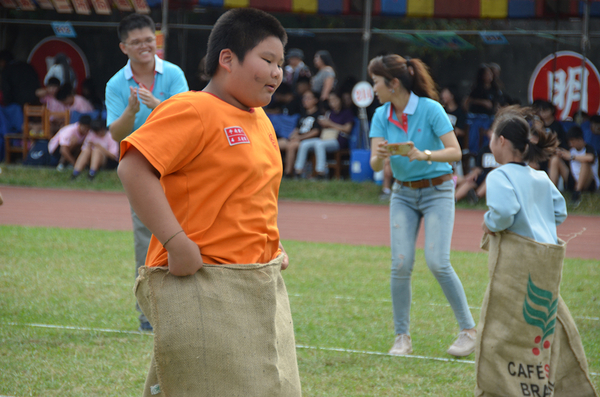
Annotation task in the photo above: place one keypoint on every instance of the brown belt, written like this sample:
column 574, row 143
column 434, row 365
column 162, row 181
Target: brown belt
column 427, row 182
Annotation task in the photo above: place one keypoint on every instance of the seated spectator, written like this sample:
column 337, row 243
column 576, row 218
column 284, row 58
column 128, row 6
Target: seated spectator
column 295, row 68
column 450, row 101
column 323, row 82
column 582, row 162
column 336, row 126
column 47, row 95
column 307, row 128
column 19, row 80
column 485, row 95
column 67, row 142
column 546, row 111
column 592, row 134
column 99, row 150
column 282, row 102
column 472, row 186
column 72, row 101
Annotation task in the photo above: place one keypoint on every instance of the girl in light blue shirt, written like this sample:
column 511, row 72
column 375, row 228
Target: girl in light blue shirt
column 519, row 198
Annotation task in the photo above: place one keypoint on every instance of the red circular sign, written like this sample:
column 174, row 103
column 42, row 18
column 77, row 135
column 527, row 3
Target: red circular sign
column 559, row 80
column 48, row 48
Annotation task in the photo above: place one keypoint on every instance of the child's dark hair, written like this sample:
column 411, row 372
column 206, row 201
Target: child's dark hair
column 412, row 73
column 575, row 132
column 53, row 81
column 65, row 91
column 132, row 22
column 541, row 104
column 240, row 30
column 98, row 125
column 516, row 125
column 85, row 119
column 325, row 57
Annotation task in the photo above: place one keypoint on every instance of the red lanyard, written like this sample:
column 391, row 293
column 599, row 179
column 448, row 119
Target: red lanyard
column 142, row 85
column 403, row 125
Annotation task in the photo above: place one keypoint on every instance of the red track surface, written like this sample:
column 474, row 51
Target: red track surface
column 303, row 221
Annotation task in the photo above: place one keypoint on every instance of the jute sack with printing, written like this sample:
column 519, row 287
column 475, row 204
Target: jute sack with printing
column 527, row 341
column 225, row 331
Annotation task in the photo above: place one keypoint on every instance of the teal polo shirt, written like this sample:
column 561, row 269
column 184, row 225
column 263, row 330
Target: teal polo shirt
column 169, row 80
column 423, row 122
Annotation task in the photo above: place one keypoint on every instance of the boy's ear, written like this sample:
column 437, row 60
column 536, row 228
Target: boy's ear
column 123, row 48
column 226, row 58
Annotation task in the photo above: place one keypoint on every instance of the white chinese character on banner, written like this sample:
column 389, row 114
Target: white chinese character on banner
column 568, row 89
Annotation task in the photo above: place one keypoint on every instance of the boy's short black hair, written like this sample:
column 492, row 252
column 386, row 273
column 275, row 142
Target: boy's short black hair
column 98, row 125
column 303, row 79
column 575, row 133
column 53, row 81
column 65, row 91
column 132, row 22
column 544, row 105
column 240, row 30
column 85, row 119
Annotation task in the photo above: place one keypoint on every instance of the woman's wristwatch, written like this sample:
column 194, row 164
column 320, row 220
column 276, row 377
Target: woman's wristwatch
column 428, row 153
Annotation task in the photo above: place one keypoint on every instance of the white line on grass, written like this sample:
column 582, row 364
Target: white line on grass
column 335, row 349
column 116, row 331
column 349, row 298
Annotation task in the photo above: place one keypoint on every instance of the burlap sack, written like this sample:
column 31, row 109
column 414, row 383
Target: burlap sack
column 225, row 331
column 527, row 342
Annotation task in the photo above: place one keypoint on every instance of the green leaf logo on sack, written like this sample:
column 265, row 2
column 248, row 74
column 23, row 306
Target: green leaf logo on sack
column 544, row 319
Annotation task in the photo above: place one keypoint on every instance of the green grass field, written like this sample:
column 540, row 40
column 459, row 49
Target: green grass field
column 339, row 297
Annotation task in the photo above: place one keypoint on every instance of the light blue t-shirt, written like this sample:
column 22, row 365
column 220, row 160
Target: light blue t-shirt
column 426, row 122
column 169, row 80
column 524, row 201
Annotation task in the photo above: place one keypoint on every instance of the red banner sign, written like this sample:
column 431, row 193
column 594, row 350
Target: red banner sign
column 564, row 82
column 26, row 5
column 45, row 4
column 123, row 5
column 82, row 7
column 8, row 4
column 141, row 6
column 101, row 7
column 63, row 6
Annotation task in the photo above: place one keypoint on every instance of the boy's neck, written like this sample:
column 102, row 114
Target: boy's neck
column 217, row 90
column 143, row 69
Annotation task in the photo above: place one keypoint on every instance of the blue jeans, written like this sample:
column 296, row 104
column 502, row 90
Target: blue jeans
column 320, row 147
column 436, row 205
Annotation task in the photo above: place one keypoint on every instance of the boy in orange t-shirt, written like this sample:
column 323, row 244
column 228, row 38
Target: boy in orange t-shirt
column 208, row 162
column 203, row 172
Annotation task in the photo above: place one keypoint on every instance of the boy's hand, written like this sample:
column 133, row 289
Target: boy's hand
column 133, row 102
column 286, row 259
column 184, row 256
column 147, row 98
column 486, row 230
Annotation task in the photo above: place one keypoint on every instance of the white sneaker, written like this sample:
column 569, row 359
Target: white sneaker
column 463, row 345
column 60, row 167
column 402, row 345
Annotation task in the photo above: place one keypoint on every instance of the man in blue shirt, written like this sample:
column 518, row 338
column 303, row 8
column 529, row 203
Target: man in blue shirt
column 131, row 95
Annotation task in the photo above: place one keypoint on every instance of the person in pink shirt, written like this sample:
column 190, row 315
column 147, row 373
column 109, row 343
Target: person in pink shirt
column 68, row 141
column 72, row 101
column 99, row 150
column 47, row 95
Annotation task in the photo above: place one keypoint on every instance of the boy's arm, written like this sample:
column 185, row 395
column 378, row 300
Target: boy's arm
column 121, row 127
column 147, row 198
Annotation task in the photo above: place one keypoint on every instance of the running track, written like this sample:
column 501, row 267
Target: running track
column 303, row 221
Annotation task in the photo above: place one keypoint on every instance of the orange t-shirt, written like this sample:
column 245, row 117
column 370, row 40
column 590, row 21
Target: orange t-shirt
column 220, row 169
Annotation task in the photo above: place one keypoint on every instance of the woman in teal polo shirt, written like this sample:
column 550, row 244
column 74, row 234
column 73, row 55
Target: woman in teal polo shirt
column 424, row 189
